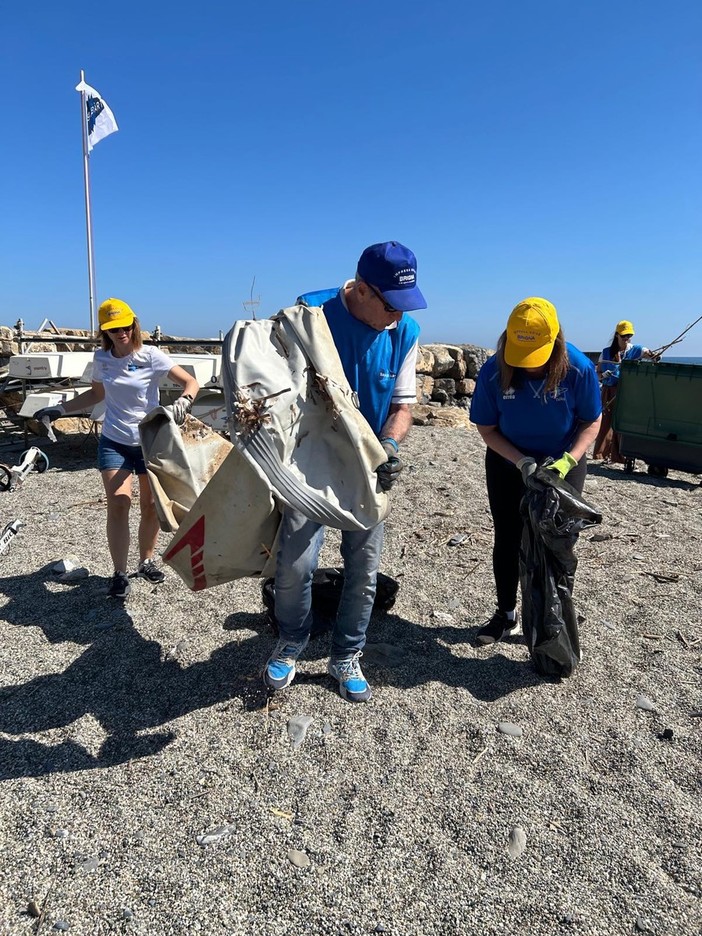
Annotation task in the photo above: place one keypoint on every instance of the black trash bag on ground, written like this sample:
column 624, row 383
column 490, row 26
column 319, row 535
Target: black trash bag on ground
column 326, row 594
column 554, row 515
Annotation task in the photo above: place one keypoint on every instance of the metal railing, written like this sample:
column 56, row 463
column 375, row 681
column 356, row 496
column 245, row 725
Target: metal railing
column 24, row 338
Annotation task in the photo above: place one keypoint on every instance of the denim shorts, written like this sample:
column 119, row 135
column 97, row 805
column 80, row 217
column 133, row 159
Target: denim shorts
column 117, row 455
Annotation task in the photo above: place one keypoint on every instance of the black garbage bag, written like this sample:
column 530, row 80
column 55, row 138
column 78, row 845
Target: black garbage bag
column 326, row 594
column 554, row 514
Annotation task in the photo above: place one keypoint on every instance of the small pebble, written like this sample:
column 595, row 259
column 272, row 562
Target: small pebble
column 33, row 909
column 507, row 728
column 600, row 537
column 644, row 703
column 640, row 558
column 59, row 833
column 62, row 926
column 642, row 925
column 299, row 858
column 666, row 734
column 326, row 728
column 127, row 914
column 517, row 842
column 609, row 625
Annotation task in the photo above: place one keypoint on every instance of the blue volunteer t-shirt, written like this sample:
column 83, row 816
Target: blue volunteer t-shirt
column 535, row 423
column 632, row 353
column 371, row 359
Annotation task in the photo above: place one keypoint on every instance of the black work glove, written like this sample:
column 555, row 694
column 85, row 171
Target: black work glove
column 181, row 408
column 49, row 412
column 389, row 472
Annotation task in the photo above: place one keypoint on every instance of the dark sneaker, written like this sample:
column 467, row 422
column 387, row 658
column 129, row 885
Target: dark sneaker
column 280, row 668
column 496, row 628
column 353, row 685
column 119, row 586
column 150, row 571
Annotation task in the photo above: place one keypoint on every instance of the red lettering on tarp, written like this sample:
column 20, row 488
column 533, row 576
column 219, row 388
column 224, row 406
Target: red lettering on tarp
column 195, row 539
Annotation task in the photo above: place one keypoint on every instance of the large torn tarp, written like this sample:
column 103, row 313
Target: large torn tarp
column 298, row 438
column 554, row 514
column 179, row 462
column 224, row 530
column 296, row 420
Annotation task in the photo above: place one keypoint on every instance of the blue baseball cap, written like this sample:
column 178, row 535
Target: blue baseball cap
column 392, row 269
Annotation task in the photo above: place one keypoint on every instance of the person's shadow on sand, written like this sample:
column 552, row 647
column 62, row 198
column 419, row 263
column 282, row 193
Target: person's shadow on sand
column 129, row 686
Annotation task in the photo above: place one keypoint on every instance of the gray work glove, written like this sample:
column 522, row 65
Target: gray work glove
column 49, row 412
column 527, row 466
column 389, row 472
column 181, row 408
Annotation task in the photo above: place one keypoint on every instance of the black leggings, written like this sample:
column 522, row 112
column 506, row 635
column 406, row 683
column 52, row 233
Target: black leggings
column 505, row 491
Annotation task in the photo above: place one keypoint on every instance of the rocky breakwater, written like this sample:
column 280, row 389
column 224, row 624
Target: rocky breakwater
column 446, row 376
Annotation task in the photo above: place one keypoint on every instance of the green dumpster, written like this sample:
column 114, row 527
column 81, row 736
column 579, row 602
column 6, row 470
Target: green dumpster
column 658, row 414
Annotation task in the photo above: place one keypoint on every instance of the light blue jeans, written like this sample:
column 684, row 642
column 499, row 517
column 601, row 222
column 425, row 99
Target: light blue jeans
column 298, row 552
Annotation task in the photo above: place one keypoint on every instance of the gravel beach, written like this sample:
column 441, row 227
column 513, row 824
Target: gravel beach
column 150, row 787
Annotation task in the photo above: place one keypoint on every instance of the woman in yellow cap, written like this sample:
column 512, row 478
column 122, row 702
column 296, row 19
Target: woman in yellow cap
column 620, row 349
column 536, row 398
column 126, row 375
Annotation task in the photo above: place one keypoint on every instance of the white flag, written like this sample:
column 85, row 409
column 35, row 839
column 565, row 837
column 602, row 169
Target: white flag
column 101, row 120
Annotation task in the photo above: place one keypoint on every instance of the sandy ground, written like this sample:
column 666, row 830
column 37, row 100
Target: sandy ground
column 128, row 732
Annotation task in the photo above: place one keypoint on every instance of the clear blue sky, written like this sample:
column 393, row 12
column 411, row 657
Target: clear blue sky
column 519, row 147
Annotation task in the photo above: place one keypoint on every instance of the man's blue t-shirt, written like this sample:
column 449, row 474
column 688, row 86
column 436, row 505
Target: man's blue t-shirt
column 371, row 359
column 632, row 353
column 536, row 424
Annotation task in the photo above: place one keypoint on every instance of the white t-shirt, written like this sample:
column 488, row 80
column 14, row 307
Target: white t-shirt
column 131, row 389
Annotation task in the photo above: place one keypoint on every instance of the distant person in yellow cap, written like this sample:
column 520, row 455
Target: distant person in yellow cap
column 126, row 374
column 620, row 349
column 536, row 398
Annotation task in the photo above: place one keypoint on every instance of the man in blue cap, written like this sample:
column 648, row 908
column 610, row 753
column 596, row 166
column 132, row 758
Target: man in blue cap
column 377, row 344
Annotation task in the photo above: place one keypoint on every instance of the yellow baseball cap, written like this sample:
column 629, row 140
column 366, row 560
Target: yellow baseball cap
column 532, row 330
column 624, row 328
column 113, row 313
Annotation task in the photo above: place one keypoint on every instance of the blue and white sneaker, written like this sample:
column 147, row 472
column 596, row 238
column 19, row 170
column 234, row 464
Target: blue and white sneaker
column 353, row 685
column 280, row 668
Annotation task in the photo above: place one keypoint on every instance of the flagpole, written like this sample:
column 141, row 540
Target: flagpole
column 88, row 209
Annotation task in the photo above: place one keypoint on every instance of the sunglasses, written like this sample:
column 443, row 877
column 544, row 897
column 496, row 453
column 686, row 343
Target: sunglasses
column 116, row 331
column 388, row 308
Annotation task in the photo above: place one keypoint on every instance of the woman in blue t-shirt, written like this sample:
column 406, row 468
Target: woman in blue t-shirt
column 620, row 349
column 536, row 398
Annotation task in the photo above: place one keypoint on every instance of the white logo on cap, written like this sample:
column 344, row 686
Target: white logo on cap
column 408, row 275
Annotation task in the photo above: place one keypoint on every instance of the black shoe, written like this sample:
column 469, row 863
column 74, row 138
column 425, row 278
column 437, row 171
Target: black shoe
column 150, row 571
column 496, row 628
column 119, row 586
